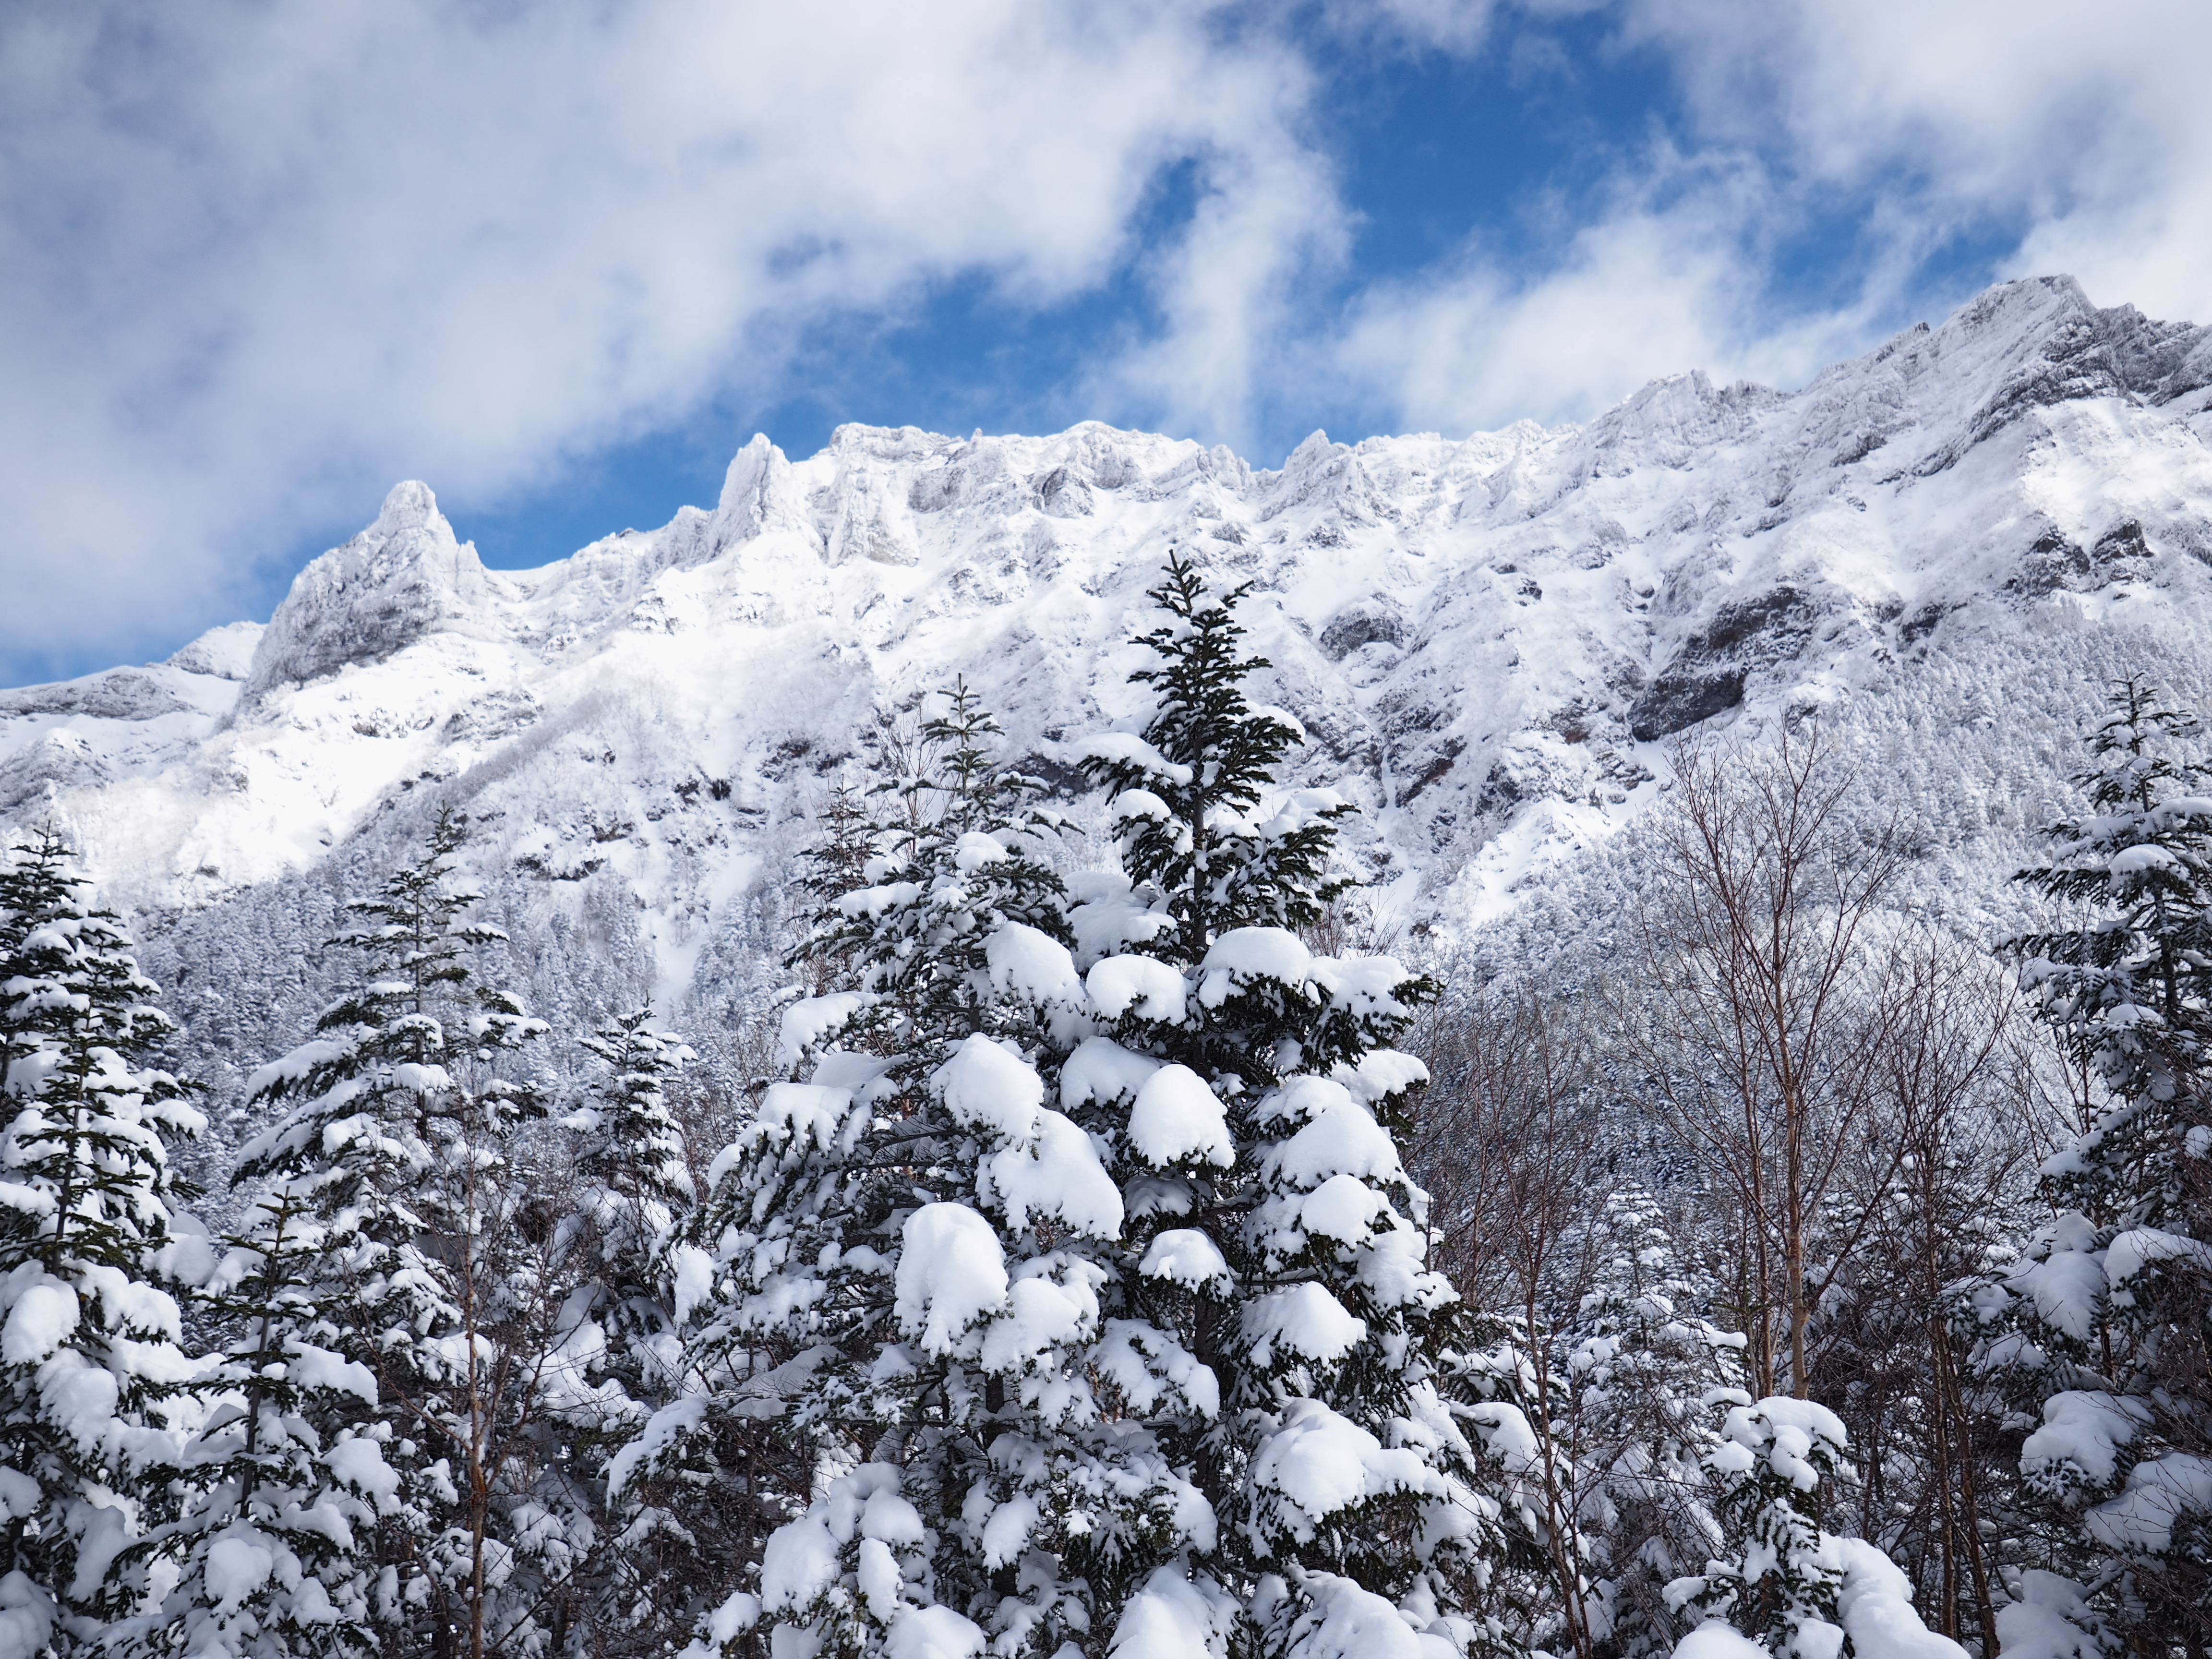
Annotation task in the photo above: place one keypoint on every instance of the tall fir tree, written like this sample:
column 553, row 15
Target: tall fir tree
column 1078, row 1250
column 405, row 1140
column 1289, row 1246
column 2113, row 1299
column 629, row 1184
column 91, row 1377
column 281, row 1483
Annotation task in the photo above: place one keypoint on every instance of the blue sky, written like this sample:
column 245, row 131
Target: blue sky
column 560, row 262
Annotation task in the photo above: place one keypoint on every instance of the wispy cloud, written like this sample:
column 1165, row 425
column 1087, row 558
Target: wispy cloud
column 2057, row 144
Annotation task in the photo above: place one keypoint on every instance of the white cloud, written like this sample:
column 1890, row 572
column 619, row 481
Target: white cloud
column 255, row 261
column 2087, row 133
column 1227, row 293
column 1638, row 295
column 2085, row 144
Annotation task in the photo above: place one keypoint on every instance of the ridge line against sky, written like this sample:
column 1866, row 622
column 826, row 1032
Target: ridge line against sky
column 258, row 263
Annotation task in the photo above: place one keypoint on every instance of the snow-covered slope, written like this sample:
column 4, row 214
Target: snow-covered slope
column 1488, row 640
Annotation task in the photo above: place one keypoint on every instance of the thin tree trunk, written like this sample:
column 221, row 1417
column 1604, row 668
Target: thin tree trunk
column 478, row 1500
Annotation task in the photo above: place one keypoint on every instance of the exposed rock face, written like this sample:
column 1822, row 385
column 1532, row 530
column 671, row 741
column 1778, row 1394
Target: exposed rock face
column 120, row 694
column 1707, row 674
column 1489, row 642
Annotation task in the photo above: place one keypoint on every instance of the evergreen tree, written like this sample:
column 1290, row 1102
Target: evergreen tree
column 2114, row 1298
column 1780, row 1584
column 1624, row 1428
column 1277, row 1230
column 925, row 1241
column 631, row 1183
column 2130, row 992
column 90, row 1374
column 283, row 1476
column 1185, row 787
column 834, row 865
column 960, row 856
column 433, row 1261
column 1082, row 1259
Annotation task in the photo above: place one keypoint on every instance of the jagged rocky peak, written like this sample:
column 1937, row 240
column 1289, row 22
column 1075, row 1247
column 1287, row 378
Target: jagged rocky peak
column 403, row 577
column 760, row 492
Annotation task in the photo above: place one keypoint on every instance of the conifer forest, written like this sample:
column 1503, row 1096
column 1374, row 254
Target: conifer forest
column 1125, row 1246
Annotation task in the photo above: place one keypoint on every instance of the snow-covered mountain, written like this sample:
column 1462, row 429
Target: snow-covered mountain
column 1488, row 641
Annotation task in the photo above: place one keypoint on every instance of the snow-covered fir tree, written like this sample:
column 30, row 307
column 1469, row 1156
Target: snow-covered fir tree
column 629, row 1182
column 1621, row 1415
column 1079, row 1240
column 632, row 1182
column 925, row 1241
column 1776, row 1462
column 91, row 1377
column 1277, row 1232
column 2129, row 989
column 281, row 1482
column 1785, row 1586
column 2113, row 1299
column 433, row 1262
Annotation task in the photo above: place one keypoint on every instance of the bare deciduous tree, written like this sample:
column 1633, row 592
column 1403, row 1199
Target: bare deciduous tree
column 1510, row 1142
column 1937, row 1178
column 1749, row 1010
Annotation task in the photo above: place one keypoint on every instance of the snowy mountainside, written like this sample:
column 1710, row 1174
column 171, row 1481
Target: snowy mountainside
column 1488, row 641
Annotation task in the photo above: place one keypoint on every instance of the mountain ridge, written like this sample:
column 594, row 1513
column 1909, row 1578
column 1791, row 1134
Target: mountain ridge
column 1489, row 639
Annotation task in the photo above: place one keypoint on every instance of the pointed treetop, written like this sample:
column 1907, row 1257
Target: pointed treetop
column 1185, row 789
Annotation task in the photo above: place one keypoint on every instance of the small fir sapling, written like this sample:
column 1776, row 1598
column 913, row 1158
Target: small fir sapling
column 1780, row 1587
column 1787, row 1587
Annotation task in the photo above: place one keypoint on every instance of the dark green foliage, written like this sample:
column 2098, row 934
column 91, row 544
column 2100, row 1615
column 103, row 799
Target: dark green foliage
column 1183, row 794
